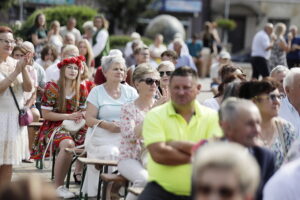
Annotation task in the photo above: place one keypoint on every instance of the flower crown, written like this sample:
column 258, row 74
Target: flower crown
column 74, row 60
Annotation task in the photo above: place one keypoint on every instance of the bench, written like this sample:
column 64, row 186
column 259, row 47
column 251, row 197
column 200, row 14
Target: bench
column 114, row 178
column 135, row 190
column 104, row 164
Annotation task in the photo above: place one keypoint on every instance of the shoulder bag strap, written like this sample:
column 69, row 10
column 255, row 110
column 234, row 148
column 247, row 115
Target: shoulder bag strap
column 280, row 130
column 13, row 94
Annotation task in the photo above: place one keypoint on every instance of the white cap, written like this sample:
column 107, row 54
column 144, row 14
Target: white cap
column 224, row 55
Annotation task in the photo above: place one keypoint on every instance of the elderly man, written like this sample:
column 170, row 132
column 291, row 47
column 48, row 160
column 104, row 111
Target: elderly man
column 279, row 73
column 183, row 59
column 70, row 28
column 293, row 56
column 290, row 105
column 261, row 46
column 170, row 131
column 240, row 120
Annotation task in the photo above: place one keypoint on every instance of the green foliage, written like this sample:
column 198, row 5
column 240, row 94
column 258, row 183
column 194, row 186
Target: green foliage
column 124, row 13
column 119, row 41
column 5, row 4
column 226, row 24
column 60, row 13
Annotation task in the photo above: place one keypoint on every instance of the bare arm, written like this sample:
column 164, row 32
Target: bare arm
column 27, row 83
column 165, row 154
column 53, row 116
column 285, row 46
column 91, row 119
column 37, row 41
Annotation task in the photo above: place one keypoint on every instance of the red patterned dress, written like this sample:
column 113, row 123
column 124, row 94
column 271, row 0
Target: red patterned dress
column 50, row 102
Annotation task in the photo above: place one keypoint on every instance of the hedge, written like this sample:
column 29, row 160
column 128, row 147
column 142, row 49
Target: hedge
column 119, row 41
column 61, row 14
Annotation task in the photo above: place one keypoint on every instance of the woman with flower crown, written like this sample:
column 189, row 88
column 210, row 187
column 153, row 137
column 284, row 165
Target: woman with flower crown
column 64, row 100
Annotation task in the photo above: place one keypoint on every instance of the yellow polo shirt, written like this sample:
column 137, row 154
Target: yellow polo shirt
column 163, row 124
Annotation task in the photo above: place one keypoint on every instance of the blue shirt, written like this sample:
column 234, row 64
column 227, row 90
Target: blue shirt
column 195, row 48
column 294, row 55
column 185, row 60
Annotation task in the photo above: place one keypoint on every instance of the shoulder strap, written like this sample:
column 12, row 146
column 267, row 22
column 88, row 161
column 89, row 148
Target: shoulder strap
column 280, row 130
column 13, row 94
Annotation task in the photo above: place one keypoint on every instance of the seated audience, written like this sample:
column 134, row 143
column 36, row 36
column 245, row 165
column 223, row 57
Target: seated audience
column 157, row 48
column 183, row 59
column 279, row 73
column 169, row 55
column 165, row 69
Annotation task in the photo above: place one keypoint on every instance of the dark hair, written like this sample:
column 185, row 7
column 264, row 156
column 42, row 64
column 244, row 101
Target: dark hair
column 5, row 29
column 18, row 48
column 184, row 71
column 138, row 49
column 36, row 20
column 227, row 70
column 250, row 89
column 169, row 53
column 46, row 49
column 231, row 78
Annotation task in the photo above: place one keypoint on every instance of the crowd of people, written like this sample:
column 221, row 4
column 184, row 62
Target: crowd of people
column 140, row 108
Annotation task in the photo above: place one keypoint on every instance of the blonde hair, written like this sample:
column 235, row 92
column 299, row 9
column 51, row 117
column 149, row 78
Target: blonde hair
column 62, row 89
column 232, row 157
column 90, row 55
column 166, row 63
column 141, row 70
column 279, row 29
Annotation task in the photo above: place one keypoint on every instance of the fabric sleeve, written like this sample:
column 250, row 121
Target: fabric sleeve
column 101, row 40
column 153, row 131
column 93, row 97
column 83, row 97
column 128, row 121
column 191, row 63
column 50, row 96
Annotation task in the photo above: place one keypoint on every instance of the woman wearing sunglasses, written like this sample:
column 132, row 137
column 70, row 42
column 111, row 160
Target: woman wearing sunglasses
column 165, row 70
column 224, row 171
column 146, row 81
column 276, row 134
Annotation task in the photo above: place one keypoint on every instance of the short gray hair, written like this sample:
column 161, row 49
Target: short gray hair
column 228, row 156
column 107, row 61
column 142, row 69
column 166, row 63
column 231, row 106
column 288, row 81
column 279, row 69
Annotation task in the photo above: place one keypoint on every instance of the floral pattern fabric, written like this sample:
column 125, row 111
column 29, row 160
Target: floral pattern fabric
column 50, row 102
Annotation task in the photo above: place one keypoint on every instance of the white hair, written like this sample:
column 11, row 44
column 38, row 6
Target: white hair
column 166, row 63
column 230, row 108
column 179, row 41
column 232, row 157
column 288, row 81
column 115, row 56
column 70, row 47
column 279, row 69
column 28, row 46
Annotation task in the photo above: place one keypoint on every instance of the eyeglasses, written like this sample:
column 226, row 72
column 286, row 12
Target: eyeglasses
column 272, row 97
column 162, row 73
column 150, row 81
column 12, row 42
column 223, row 191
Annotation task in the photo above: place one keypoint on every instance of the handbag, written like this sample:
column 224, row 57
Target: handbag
column 25, row 114
column 72, row 126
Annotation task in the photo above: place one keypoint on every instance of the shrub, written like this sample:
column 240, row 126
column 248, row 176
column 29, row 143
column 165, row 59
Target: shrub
column 227, row 24
column 61, row 14
column 119, row 41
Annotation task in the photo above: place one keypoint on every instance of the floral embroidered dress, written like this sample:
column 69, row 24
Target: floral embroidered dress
column 50, row 102
column 131, row 146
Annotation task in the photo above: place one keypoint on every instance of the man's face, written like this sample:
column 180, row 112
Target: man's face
column 71, row 24
column 293, row 92
column 245, row 128
column 279, row 78
column 184, row 90
column 177, row 47
column 143, row 56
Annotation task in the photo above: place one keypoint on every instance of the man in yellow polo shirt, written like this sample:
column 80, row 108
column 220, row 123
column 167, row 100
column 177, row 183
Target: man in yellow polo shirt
column 170, row 131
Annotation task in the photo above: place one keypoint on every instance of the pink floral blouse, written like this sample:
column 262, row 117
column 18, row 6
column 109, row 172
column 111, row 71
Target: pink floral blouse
column 131, row 146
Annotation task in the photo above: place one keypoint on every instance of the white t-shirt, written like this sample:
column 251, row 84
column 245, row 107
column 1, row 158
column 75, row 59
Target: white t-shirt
column 64, row 31
column 52, row 72
column 284, row 184
column 260, row 42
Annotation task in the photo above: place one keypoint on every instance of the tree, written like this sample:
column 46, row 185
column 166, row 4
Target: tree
column 124, row 13
column 4, row 4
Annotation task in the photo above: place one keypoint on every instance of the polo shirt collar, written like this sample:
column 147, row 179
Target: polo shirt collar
column 171, row 110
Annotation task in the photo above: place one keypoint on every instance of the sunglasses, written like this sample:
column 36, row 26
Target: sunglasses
column 150, row 81
column 223, row 191
column 162, row 73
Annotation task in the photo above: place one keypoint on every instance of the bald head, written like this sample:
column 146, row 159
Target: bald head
column 268, row 28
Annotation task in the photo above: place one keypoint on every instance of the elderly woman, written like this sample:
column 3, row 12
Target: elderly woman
column 280, row 46
column 279, row 73
column 14, row 80
column 276, row 134
column 165, row 69
column 224, row 171
column 145, row 80
column 103, row 112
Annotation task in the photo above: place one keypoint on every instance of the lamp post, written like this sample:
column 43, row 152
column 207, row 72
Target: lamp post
column 21, row 10
column 226, row 15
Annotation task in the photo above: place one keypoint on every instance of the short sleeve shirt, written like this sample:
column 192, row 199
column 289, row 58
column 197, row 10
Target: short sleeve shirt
column 163, row 124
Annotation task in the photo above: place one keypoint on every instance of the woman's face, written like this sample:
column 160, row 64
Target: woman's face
column 55, row 27
column 18, row 54
column 165, row 73
column 82, row 49
column 269, row 104
column 49, row 56
column 7, row 44
column 147, row 85
column 71, row 71
column 41, row 20
column 115, row 72
column 218, row 184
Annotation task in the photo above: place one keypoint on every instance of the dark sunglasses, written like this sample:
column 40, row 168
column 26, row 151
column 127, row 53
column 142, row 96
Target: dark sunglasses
column 223, row 191
column 168, row 73
column 150, row 81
